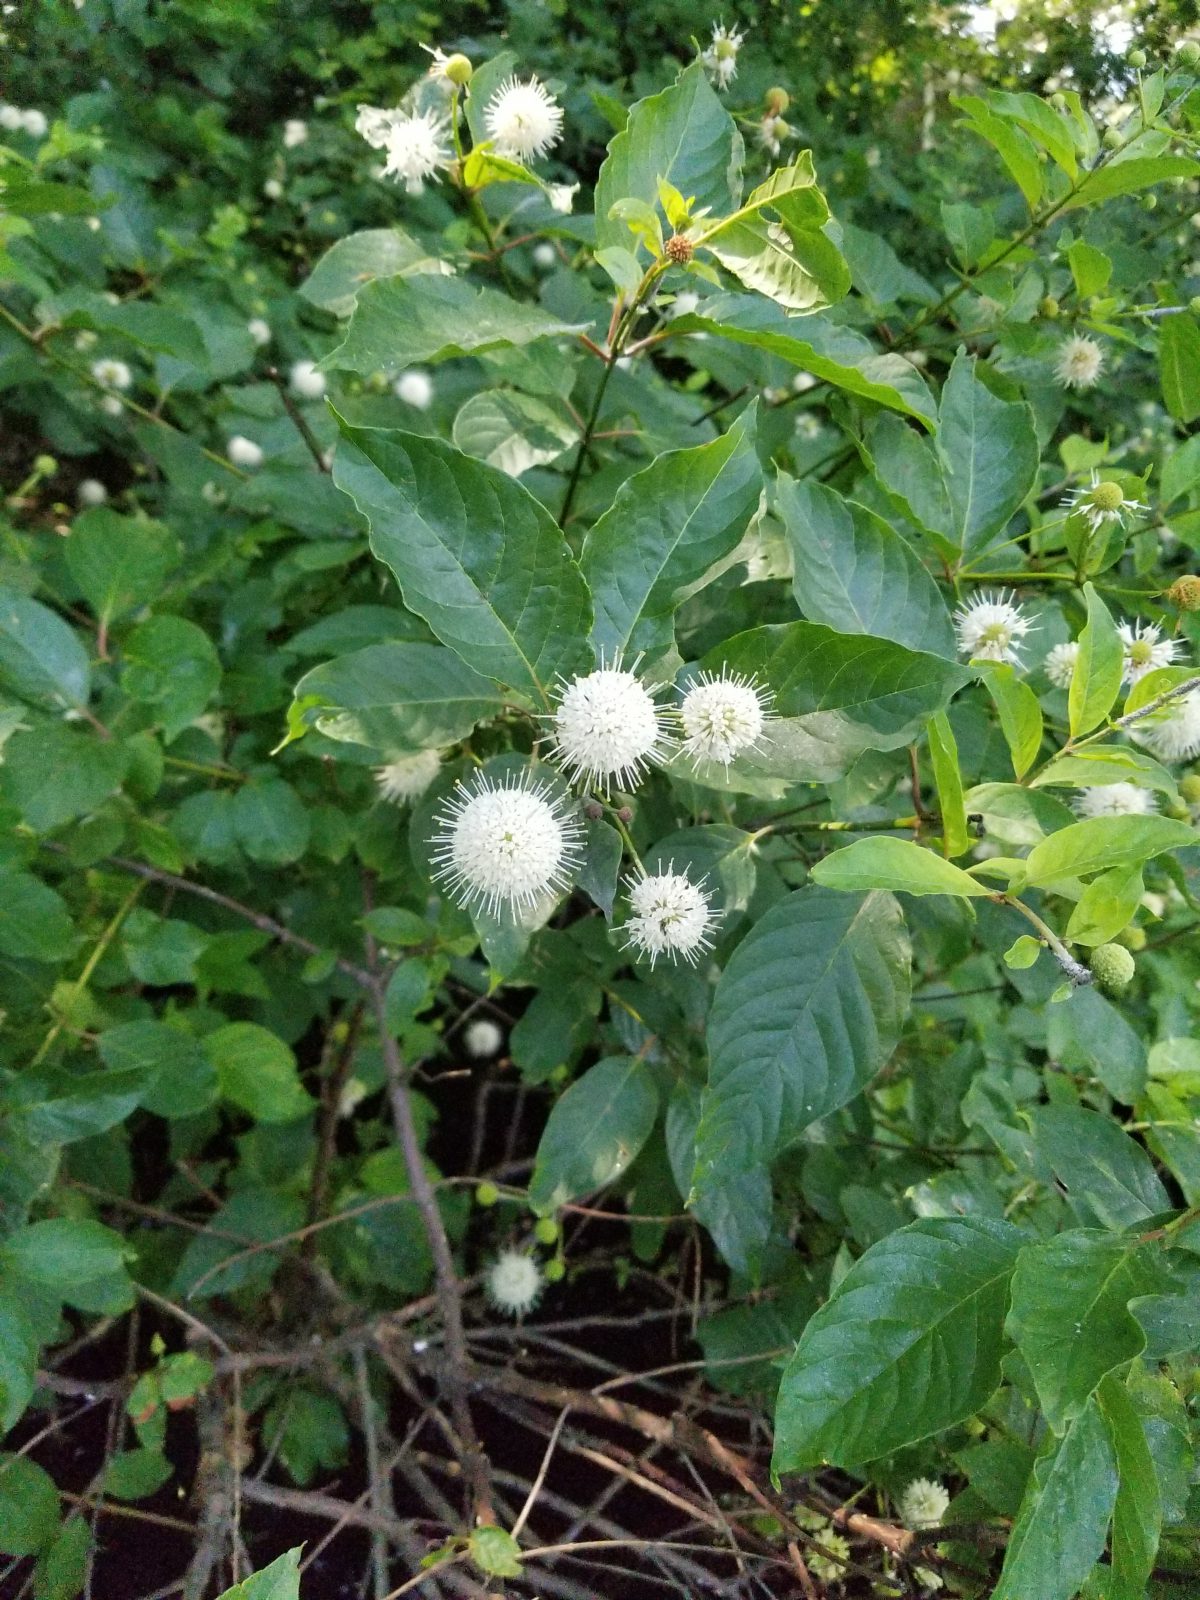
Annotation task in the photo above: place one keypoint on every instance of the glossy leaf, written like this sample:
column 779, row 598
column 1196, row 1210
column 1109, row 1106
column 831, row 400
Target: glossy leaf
column 1096, row 681
column 1019, row 711
column 595, row 1130
column 1107, row 1175
column 40, row 657
column 1138, row 1513
column 1104, row 842
column 881, row 862
column 348, row 266
column 988, row 451
column 947, row 776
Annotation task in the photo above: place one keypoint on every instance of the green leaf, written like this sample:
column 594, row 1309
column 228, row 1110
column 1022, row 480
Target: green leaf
column 989, row 455
column 881, row 862
column 29, row 1507
column 512, row 431
column 154, row 327
column 181, row 1079
column 853, row 572
column 596, row 1128
column 683, row 135
column 1096, row 680
column 1101, row 764
column 475, row 555
column 1179, row 366
column 119, row 562
column 775, row 243
column 34, row 922
column 161, row 950
column 806, row 1012
column 404, row 321
column 216, row 1263
column 257, row 1072
column 1089, row 1034
column 670, row 530
column 1019, row 711
column 40, row 657
column 1104, row 842
column 1014, row 815
column 396, row 697
column 1138, row 1513
column 1090, row 268
column 1060, row 1531
column 1108, row 1177
column 136, row 1474
column 908, row 1344
column 53, row 775
column 270, row 822
column 1070, row 1315
column 62, row 1569
column 484, row 166
column 345, row 269
column 279, row 1581
column 1014, row 147
column 1106, row 906
column 171, row 666
column 1128, row 176
column 496, row 1552
column 61, row 1253
column 947, row 777
column 828, row 350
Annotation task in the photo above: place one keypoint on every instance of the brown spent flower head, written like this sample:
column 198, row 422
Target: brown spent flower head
column 1185, row 592
column 680, row 249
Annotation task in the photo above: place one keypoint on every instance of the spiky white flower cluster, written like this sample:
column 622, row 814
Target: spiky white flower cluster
column 923, row 1503
column 1102, row 502
column 672, row 917
column 1079, row 362
column 722, row 717
column 990, row 627
column 244, row 452
column 414, row 146
column 505, row 845
column 1115, row 800
column 415, row 388
column 482, row 1038
column 1177, row 736
column 306, row 381
column 113, row 374
column 1145, row 649
column 523, row 120
column 406, row 778
column 1059, row 665
column 513, row 1283
column 719, row 56
column 259, row 330
column 608, row 729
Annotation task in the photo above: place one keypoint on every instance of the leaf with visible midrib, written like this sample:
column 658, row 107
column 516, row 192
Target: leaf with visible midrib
column 909, row 1343
column 671, row 529
column 474, row 553
column 594, row 1132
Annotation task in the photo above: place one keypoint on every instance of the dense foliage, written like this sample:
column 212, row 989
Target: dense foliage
column 598, row 687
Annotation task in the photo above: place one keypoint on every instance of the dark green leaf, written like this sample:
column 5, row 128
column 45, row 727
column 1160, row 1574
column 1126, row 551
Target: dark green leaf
column 989, row 455
column 345, row 269
column 119, row 562
column 1179, row 366
column 1108, row 1177
column 595, row 1130
column 40, row 657
column 1138, row 1513
column 34, row 921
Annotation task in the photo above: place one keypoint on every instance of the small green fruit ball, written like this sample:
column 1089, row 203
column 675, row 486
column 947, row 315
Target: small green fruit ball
column 1113, row 967
column 554, row 1271
column 1049, row 306
column 486, row 1194
column 1137, row 59
column 546, row 1230
column 1112, row 139
column 459, row 69
column 1133, row 938
column 1149, row 202
column 1189, row 52
column 1189, row 788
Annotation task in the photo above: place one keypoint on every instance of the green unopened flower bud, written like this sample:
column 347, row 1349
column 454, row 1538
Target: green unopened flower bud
column 1133, row 938
column 459, row 69
column 776, row 102
column 1113, row 967
column 554, row 1271
column 1149, row 202
column 1189, row 788
column 1189, row 52
column 486, row 1194
column 546, row 1230
column 1137, row 59
column 1059, row 102
column 1112, row 139
column 45, row 466
column 1048, row 306
column 1185, row 592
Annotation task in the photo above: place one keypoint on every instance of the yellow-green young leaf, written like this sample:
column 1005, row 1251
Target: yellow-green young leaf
column 1100, row 764
column 279, row 1581
column 1044, row 125
column 642, row 220
column 1106, row 906
column 896, row 864
column 496, row 1552
column 1152, row 684
column 1090, row 268
column 1019, row 712
column 943, row 756
column 1096, row 681
column 1179, row 366
column 1104, row 842
column 595, row 1130
column 1023, row 952
column 484, row 166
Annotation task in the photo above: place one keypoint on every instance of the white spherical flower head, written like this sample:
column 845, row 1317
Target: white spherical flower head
column 1115, row 800
column 722, row 717
column 1176, row 737
column 685, row 302
column 1100, row 503
column 672, row 917
column 416, row 147
column 545, row 257
column 111, row 406
column 562, row 197
column 607, row 728
column 10, row 118
column 244, row 452
column 415, row 388
column 483, row 1038
column 1059, row 664
column 34, row 124
column 719, row 58
column 989, row 628
column 259, row 330
column 111, row 373
column 295, row 132
column 306, row 381
column 273, row 189
column 923, row 1503
column 406, row 778
column 523, row 120
column 1079, row 362
column 91, row 492
column 505, row 845
column 513, row 1283
column 1145, row 649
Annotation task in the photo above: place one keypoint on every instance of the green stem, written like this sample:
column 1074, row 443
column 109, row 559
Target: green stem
column 1075, row 970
